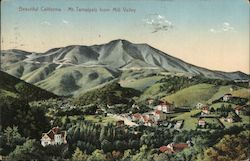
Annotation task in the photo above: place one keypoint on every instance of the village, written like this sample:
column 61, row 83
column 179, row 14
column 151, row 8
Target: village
column 203, row 116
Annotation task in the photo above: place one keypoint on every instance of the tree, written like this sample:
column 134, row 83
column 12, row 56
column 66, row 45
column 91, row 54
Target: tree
column 28, row 151
column 230, row 147
column 143, row 154
column 127, row 155
column 161, row 157
column 97, row 155
column 79, row 155
column 13, row 137
column 106, row 146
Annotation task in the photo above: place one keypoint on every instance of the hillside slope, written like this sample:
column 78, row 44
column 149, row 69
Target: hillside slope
column 12, row 87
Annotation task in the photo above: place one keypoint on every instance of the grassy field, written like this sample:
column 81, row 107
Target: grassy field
column 213, row 121
column 245, row 120
column 244, row 93
column 152, row 91
column 189, row 122
column 218, row 105
column 192, row 95
column 140, row 84
column 220, row 92
column 99, row 119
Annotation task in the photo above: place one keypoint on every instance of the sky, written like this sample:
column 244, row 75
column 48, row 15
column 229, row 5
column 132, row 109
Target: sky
column 209, row 33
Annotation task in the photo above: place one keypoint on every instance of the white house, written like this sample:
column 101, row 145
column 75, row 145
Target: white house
column 54, row 137
column 199, row 105
column 160, row 115
column 201, row 122
column 165, row 106
column 227, row 97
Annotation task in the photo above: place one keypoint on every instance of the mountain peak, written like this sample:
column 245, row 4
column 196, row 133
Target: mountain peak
column 120, row 41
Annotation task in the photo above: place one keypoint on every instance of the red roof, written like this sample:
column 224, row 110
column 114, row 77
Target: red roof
column 145, row 118
column 137, row 115
column 176, row 148
column 157, row 112
column 165, row 103
column 165, row 149
column 180, row 147
column 239, row 108
column 55, row 130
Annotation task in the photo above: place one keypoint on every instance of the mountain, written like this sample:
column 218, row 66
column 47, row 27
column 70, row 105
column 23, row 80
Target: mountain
column 74, row 69
column 13, row 88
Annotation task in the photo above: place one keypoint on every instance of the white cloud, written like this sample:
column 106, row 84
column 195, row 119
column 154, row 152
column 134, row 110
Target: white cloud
column 46, row 23
column 224, row 27
column 65, row 21
column 158, row 23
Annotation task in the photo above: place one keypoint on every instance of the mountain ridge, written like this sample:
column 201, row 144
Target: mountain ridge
column 97, row 64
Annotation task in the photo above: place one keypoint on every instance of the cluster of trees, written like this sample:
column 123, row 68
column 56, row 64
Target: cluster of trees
column 224, row 148
column 91, row 142
column 88, row 137
column 111, row 94
column 230, row 147
column 30, row 120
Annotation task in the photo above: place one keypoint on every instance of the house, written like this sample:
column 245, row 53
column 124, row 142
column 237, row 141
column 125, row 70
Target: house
column 165, row 106
column 227, row 97
column 205, row 110
column 178, row 124
column 99, row 111
column 135, row 106
column 150, row 122
column 239, row 110
column 120, row 123
column 201, row 122
column 174, row 148
column 160, row 115
column 150, row 100
column 54, row 137
column 136, row 117
column 230, row 117
column 199, row 105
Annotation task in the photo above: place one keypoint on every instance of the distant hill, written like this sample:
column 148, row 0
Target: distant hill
column 204, row 93
column 14, row 88
column 111, row 94
column 74, row 69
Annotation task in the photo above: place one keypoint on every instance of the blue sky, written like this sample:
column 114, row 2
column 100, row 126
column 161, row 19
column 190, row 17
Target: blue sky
column 208, row 33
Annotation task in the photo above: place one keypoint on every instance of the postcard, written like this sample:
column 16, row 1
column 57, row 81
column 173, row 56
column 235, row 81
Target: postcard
column 124, row 80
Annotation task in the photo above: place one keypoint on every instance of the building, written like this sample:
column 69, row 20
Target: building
column 54, row 137
column 150, row 101
column 230, row 117
column 227, row 97
column 136, row 117
column 160, row 115
column 201, row 122
column 205, row 110
column 174, row 148
column 239, row 110
column 199, row 105
column 150, row 122
column 178, row 124
column 165, row 106
column 120, row 123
